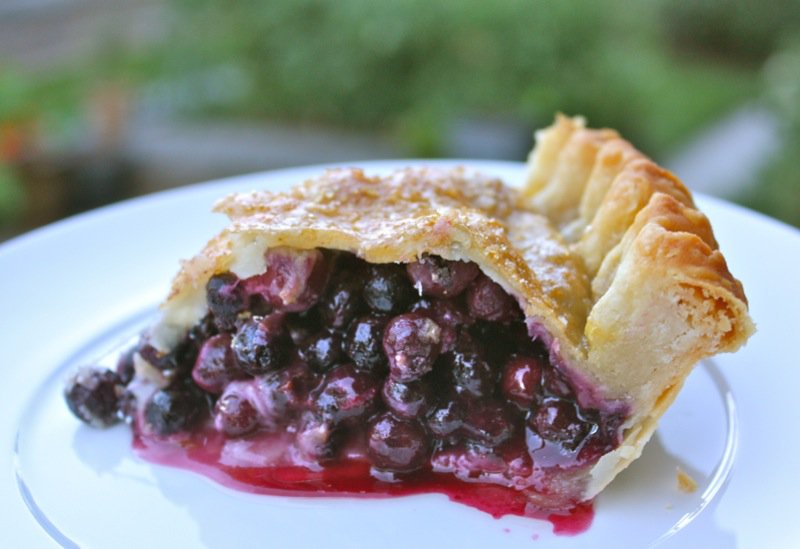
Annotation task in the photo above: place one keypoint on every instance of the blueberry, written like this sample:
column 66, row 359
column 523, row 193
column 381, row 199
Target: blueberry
column 322, row 351
column 261, row 345
column 488, row 423
column 216, row 365
column 342, row 302
column 407, row 400
column 439, row 277
column 387, row 289
column 412, row 343
column 287, row 390
column 470, row 374
column 174, row 409
column 445, row 420
column 397, row 445
column 487, row 300
column 226, row 299
column 557, row 420
column 235, row 415
column 521, row 378
column 93, row 395
column 363, row 343
column 345, row 393
column 449, row 314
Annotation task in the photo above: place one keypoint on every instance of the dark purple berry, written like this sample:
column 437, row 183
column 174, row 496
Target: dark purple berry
column 487, row 300
column 216, row 365
column 342, row 302
column 174, row 409
column 294, row 279
column 439, row 277
column 557, row 420
column 226, row 299
column 445, row 419
column 346, row 393
column 407, row 400
column 488, row 423
column 261, row 345
column 470, row 374
column 364, row 343
column 235, row 415
column 449, row 314
column 397, row 445
column 387, row 289
column 283, row 392
column 322, row 351
column 412, row 343
column 93, row 395
column 521, row 378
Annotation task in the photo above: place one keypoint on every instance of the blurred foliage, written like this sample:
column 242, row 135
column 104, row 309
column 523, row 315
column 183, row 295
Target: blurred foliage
column 12, row 197
column 413, row 66
column 743, row 30
column 657, row 70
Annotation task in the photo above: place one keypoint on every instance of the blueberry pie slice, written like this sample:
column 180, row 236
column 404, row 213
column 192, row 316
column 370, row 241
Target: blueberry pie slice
column 433, row 330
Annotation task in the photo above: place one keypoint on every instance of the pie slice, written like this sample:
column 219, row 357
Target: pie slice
column 434, row 328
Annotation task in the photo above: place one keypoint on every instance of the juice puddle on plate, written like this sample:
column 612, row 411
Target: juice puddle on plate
column 203, row 453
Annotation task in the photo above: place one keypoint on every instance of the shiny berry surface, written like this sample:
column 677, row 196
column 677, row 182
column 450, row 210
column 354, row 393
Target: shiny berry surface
column 216, row 365
column 363, row 343
column 522, row 376
column 407, row 400
column 557, row 420
column 235, row 415
column 412, row 343
column 346, row 393
column 397, row 445
column 445, row 420
column 343, row 301
column 488, row 422
column 322, row 351
column 387, row 289
column 261, row 345
column 439, row 277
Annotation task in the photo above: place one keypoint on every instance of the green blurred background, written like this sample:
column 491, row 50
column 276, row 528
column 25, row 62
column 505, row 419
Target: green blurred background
column 105, row 99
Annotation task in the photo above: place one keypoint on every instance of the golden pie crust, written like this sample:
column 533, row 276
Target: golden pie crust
column 608, row 256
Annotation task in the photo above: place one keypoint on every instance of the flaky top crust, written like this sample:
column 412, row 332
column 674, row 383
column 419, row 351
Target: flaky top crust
column 456, row 214
column 605, row 251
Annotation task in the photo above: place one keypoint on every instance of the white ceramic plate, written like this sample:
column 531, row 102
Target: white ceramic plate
column 74, row 290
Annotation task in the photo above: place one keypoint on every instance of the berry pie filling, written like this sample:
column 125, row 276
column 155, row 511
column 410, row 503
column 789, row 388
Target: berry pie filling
column 326, row 374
